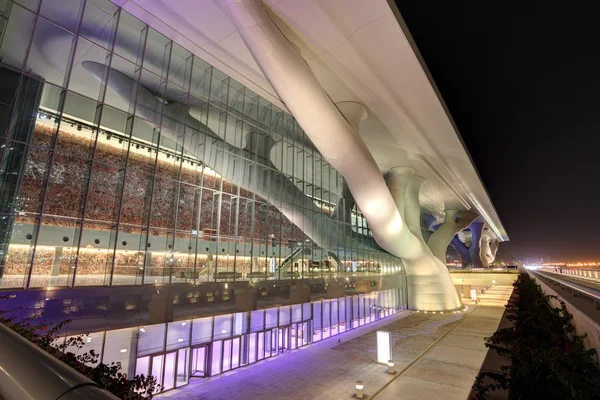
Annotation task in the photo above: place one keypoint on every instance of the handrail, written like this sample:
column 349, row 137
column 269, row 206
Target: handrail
column 28, row 372
column 595, row 295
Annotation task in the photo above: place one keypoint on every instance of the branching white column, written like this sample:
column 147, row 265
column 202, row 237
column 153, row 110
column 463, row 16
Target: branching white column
column 454, row 222
column 476, row 229
column 463, row 250
column 430, row 285
column 489, row 247
column 428, row 274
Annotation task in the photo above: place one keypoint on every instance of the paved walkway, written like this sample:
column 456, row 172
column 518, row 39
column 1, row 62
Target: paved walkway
column 329, row 369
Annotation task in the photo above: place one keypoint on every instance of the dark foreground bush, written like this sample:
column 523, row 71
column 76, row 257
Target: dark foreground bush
column 107, row 376
column 549, row 360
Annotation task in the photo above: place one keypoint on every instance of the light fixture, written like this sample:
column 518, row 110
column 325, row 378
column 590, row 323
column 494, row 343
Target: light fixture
column 223, row 331
column 183, row 323
column 123, row 350
column 359, row 389
column 179, row 340
column 391, row 367
column 142, row 330
column 89, row 339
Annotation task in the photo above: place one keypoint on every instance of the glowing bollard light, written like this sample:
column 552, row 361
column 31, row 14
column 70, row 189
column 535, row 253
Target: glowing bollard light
column 391, row 367
column 359, row 390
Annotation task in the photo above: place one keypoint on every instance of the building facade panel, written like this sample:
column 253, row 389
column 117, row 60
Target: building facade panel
column 136, row 177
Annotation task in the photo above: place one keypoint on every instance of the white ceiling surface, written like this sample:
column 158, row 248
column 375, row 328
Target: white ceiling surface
column 374, row 64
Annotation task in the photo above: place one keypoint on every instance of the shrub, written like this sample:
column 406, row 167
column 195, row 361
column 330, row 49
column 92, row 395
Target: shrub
column 548, row 358
column 107, row 376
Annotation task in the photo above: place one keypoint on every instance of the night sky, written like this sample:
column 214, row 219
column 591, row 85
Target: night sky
column 522, row 82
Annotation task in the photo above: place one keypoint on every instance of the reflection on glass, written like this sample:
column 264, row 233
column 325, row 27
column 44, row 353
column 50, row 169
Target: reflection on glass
column 217, row 353
column 157, row 369
column 182, row 367
column 170, row 372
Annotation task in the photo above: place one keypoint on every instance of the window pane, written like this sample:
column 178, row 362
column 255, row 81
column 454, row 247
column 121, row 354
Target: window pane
column 178, row 335
column 182, row 367
column 47, row 60
column 271, row 320
column 118, row 347
column 257, row 320
column 169, row 380
column 217, row 348
column 62, row 12
column 151, row 339
column 15, row 36
column 202, row 330
column 99, row 20
column 222, row 327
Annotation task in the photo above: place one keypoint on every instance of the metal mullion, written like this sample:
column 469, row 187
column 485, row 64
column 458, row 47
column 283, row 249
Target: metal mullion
column 130, row 134
column 236, row 232
column 91, row 163
column 101, row 358
column 33, row 29
column 15, row 107
column 182, row 153
column 198, row 220
column 219, row 208
column 220, row 197
column 175, row 368
column 146, row 227
column 55, row 139
column 156, row 158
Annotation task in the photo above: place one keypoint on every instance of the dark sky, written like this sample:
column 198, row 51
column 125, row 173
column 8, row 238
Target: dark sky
column 522, row 82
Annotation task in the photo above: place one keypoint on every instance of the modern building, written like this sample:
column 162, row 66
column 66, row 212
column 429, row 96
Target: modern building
column 202, row 184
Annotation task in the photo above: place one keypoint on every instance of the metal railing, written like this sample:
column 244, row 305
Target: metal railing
column 28, row 372
column 485, row 270
column 574, row 287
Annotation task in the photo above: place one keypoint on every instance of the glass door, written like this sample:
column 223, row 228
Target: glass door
column 199, row 362
column 283, row 339
column 183, row 359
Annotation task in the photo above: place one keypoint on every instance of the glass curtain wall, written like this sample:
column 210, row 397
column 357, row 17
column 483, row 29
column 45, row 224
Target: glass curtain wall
column 200, row 347
column 127, row 160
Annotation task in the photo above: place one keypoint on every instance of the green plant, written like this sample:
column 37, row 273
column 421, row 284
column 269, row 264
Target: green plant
column 548, row 358
column 107, row 376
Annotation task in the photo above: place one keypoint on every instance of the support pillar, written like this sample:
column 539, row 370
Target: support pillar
column 454, row 222
column 462, row 250
column 429, row 283
column 476, row 229
column 489, row 247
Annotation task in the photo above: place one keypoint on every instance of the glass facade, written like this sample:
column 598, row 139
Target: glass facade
column 200, row 347
column 126, row 160
column 142, row 189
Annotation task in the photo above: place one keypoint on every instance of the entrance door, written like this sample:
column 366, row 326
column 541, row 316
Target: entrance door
column 284, row 339
column 199, row 362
